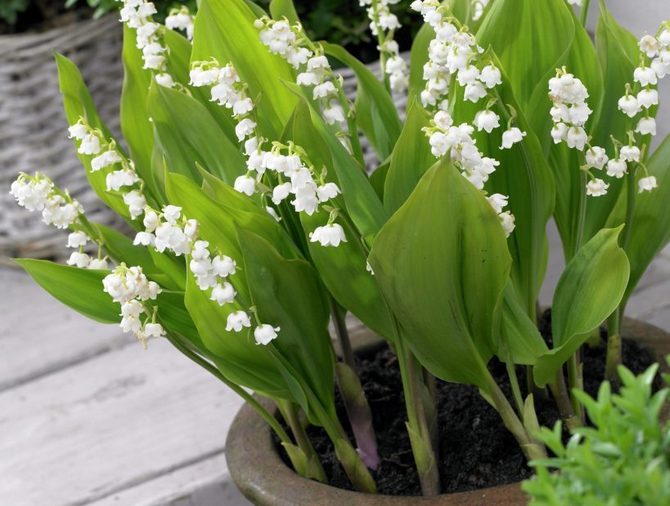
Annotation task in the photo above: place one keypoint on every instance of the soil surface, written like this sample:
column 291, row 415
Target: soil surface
column 476, row 450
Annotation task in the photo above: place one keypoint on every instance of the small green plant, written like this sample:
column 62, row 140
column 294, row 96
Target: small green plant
column 624, row 459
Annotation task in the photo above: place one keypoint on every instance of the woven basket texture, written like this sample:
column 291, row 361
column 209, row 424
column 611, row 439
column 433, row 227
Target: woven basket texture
column 33, row 127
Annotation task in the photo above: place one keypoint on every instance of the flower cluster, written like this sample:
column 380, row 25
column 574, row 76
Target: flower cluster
column 570, row 113
column 38, row 193
column 130, row 287
column 181, row 19
column 455, row 53
column 123, row 177
column 292, row 44
column 383, row 24
column 138, row 15
column 294, row 175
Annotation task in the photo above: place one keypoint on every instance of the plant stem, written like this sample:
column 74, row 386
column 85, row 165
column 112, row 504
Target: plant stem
column 574, row 362
column 381, row 40
column 516, row 389
column 584, row 12
column 417, row 424
column 356, row 148
column 338, row 314
column 353, row 396
column 562, row 399
column 313, row 467
column 613, row 359
column 351, row 462
column 531, row 448
column 575, row 380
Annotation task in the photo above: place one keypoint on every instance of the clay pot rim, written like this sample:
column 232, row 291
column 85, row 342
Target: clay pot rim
column 263, row 477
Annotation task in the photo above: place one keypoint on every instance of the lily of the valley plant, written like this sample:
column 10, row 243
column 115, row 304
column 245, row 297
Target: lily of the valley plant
column 241, row 170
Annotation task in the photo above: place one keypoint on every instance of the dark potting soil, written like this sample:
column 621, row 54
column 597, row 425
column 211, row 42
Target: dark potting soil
column 476, row 450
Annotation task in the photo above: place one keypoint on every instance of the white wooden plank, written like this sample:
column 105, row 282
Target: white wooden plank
column 39, row 335
column 107, row 425
column 206, row 483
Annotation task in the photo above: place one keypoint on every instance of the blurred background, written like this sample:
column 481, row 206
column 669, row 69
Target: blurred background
column 86, row 416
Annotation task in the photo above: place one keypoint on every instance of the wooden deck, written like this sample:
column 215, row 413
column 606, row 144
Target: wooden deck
column 87, row 417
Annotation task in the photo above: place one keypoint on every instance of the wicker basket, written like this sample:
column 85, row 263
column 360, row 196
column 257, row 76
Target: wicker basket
column 33, row 128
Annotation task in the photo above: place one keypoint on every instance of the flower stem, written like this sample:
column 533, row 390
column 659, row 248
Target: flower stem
column 421, row 437
column 353, row 396
column 351, row 461
column 562, row 399
column 613, row 359
column 352, row 127
column 516, row 389
column 311, row 467
column 530, row 447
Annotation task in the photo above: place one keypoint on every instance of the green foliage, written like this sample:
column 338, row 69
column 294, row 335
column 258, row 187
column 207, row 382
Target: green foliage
column 589, row 290
column 444, row 283
column 624, row 459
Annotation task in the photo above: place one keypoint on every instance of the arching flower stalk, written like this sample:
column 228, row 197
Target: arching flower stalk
column 38, row 193
column 164, row 230
column 180, row 18
column 454, row 55
column 383, row 25
column 138, row 15
column 309, row 59
column 292, row 173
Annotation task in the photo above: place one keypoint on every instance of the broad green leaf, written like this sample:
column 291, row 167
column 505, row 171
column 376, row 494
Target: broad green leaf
column 174, row 317
column 276, row 284
column 284, row 9
column 361, row 200
column 135, row 123
column 544, row 29
column 418, row 58
column 224, row 29
column 589, row 290
column 520, row 340
column 650, row 229
column 248, row 215
column 526, row 178
column 410, row 159
column 376, row 113
column 238, row 357
column 378, row 179
column 79, row 104
column 189, row 135
column 344, row 272
column 80, row 289
column 442, row 264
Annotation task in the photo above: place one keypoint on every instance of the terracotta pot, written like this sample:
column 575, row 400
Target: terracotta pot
column 264, row 478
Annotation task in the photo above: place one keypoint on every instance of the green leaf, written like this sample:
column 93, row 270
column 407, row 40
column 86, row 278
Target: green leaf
column 235, row 354
column 224, row 29
column 189, row 135
column 410, row 160
column 80, row 289
column 284, row 9
column 360, row 199
column 442, row 264
column 650, row 229
column 418, row 58
column 135, row 124
column 79, row 104
column 520, row 340
column 276, row 284
column 526, row 178
column 376, row 113
column 589, row 290
column 344, row 272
